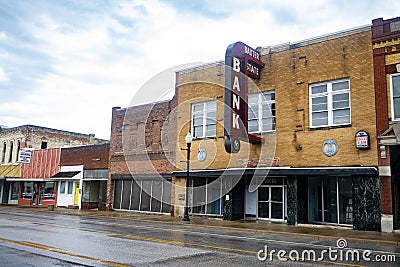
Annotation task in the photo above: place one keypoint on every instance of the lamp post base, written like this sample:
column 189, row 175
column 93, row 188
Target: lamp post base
column 186, row 216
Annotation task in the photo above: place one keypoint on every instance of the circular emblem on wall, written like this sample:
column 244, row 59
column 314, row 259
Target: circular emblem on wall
column 201, row 154
column 235, row 145
column 330, row 148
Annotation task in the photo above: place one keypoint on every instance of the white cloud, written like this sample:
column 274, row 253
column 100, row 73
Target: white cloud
column 3, row 76
column 88, row 63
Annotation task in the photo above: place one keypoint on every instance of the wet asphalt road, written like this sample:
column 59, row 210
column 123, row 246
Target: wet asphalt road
column 30, row 237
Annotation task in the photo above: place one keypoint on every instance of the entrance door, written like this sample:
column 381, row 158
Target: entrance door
column 271, row 202
column 65, row 193
column 76, row 193
column 6, row 192
column 250, row 200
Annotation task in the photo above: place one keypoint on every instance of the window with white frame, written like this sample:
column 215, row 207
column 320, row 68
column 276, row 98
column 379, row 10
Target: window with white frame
column 395, row 95
column 261, row 112
column 204, row 119
column 330, row 103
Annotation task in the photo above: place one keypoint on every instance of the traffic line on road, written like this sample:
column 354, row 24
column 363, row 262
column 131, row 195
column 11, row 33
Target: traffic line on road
column 182, row 243
column 61, row 251
column 178, row 243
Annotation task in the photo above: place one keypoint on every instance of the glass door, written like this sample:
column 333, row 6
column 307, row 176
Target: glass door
column 271, row 202
column 330, row 200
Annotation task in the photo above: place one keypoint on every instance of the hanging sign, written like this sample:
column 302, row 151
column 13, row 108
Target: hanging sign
column 241, row 62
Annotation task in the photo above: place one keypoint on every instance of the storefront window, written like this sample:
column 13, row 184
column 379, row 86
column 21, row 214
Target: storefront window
column 199, row 195
column 49, row 190
column 345, row 200
column 27, row 190
column 330, row 200
column 206, row 196
column 145, row 195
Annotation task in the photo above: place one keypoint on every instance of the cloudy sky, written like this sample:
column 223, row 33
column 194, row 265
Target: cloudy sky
column 64, row 64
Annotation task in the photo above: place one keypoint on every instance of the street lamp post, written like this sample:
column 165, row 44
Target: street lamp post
column 188, row 140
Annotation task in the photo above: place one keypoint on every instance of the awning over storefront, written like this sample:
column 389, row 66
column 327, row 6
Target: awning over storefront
column 281, row 171
column 66, row 175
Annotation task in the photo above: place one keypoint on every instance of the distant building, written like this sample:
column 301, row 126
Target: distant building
column 30, row 137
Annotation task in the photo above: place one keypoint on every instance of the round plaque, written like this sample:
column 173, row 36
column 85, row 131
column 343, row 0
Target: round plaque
column 201, row 154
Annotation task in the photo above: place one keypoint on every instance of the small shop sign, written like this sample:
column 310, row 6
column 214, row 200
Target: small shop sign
column 24, row 156
column 362, row 140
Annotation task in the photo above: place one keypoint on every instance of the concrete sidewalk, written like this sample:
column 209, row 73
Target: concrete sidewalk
column 309, row 231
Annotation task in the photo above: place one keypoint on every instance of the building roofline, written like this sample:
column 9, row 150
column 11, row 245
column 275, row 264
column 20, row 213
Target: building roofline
column 47, row 129
column 286, row 46
column 143, row 105
column 314, row 40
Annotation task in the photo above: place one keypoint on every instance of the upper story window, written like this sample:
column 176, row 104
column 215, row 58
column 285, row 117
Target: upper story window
column 330, row 103
column 395, row 95
column 3, row 155
column 10, row 156
column 204, row 119
column 261, row 112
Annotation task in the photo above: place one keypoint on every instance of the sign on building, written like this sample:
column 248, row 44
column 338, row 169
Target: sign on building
column 241, row 62
column 362, row 140
column 24, row 156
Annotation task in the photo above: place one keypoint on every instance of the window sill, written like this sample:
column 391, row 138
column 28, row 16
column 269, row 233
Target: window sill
column 204, row 138
column 316, row 128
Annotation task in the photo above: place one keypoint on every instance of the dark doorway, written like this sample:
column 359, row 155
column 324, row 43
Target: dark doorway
column 395, row 170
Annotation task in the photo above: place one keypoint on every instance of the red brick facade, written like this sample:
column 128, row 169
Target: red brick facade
column 386, row 55
column 91, row 156
column 142, row 142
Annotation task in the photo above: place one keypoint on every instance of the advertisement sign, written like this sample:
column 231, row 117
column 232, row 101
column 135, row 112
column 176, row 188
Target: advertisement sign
column 241, row 62
column 362, row 140
column 24, row 156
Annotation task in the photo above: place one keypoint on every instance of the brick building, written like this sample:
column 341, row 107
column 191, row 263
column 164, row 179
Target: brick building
column 30, row 137
column 83, row 175
column 386, row 56
column 314, row 107
column 142, row 155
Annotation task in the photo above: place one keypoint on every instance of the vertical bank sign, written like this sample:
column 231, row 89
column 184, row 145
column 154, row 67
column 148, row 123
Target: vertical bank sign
column 241, row 62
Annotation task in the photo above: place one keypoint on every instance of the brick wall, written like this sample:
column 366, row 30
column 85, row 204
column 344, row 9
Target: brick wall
column 90, row 156
column 386, row 53
column 289, row 72
column 142, row 141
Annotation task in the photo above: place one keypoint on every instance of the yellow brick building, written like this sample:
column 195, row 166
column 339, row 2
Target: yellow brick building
column 311, row 100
